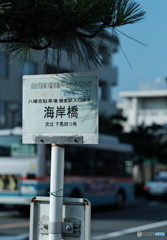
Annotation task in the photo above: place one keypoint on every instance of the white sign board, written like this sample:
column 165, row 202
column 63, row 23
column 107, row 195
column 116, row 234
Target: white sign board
column 60, row 105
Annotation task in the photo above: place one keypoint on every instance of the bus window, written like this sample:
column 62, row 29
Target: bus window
column 11, row 145
column 22, row 149
column 79, row 161
column 128, row 167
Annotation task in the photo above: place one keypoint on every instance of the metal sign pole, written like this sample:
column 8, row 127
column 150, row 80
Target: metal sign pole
column 56, row 192
column 67, row 110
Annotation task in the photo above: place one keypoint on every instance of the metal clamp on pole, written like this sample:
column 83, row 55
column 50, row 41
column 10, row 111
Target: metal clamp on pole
column 71, row 227
column 55, row 227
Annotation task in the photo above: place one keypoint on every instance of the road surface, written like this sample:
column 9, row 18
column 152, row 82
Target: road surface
column 141, row 218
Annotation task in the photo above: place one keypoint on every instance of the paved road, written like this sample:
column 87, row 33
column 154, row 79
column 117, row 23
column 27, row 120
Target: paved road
column 107, row 224
column 148, row 218
column 13, row 224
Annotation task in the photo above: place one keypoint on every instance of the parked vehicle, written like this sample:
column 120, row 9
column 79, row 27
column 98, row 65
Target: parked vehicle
column 157, row 188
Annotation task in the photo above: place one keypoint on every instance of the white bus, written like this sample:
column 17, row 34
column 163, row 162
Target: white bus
column 22, row 169
column 101, row 172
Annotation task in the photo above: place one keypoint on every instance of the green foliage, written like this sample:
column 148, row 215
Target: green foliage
column 4, row 6
column 74, row 25
column 149, row 142
column 111, row 125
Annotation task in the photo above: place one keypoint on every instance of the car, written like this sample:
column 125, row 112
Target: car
column 157, row 188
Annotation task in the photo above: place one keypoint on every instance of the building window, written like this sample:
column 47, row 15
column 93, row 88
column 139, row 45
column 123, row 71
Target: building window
column 29, row 68
column 3, row 66
column 2, row 113
column 102, row 91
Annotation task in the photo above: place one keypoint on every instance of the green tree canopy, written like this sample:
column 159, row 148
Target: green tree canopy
column 74, row 25
column 111, row 125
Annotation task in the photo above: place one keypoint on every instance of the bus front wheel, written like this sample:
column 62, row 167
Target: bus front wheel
column 120, row 200
column 75, row 194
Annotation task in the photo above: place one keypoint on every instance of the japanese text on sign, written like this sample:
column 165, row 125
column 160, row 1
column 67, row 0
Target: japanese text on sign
column 71, row 112
column 62, row 104
column 70, row 85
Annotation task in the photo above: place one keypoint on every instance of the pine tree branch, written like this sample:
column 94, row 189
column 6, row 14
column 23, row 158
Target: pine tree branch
column 65, row 24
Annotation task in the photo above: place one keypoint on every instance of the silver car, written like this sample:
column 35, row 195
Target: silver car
column 157, row 188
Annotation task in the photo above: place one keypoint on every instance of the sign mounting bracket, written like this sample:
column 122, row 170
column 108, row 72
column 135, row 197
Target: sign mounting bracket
column 59, row 139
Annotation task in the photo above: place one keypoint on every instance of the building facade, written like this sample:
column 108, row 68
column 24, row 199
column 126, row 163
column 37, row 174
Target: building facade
column 143, row 107
column 45, row 63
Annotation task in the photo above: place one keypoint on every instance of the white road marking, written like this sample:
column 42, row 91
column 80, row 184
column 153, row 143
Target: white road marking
column 129, row 230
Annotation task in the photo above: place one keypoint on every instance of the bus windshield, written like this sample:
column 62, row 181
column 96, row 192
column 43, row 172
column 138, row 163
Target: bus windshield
column 11, row 145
